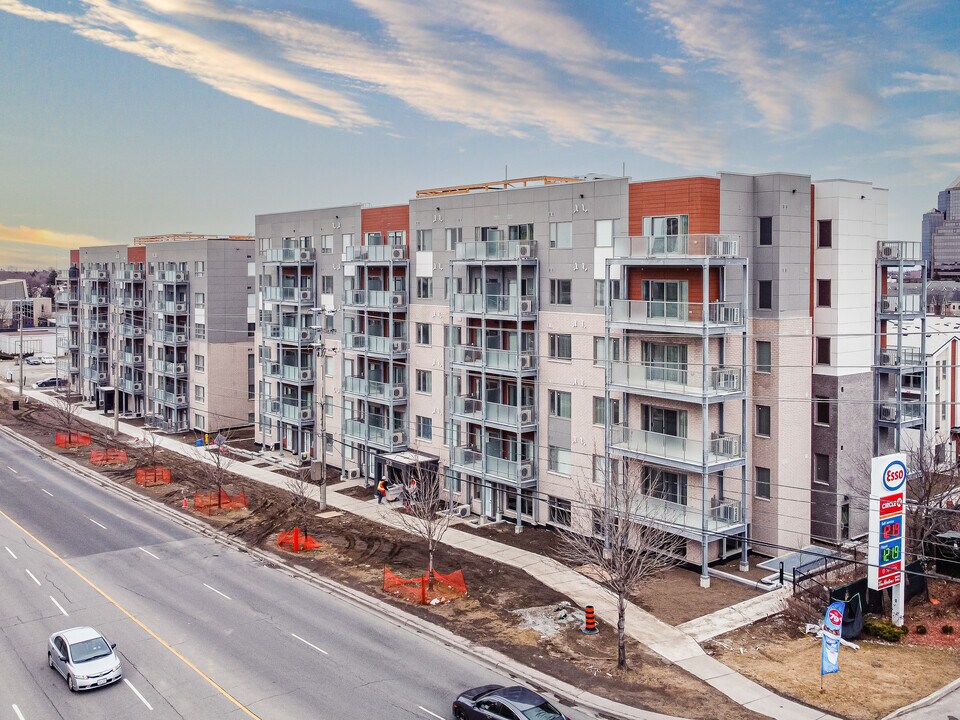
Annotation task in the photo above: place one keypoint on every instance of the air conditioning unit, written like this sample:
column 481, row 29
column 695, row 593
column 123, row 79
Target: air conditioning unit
column 136, row 275
column 889, row 305
column 526, row 417
column 888, row 358
column 397, row 253
column 398, row 392
column 471, row 355
column 728, row 380
column 306, row 334
column 103, row 300
column 101, row 275
column 888, row 412
column 180, row 277
column 181, row 399
column 890, row 251
column 526, row 471
column 526, row 307
column 138, row 331
column 305, row 413
column 180, row 368
column 398, row 300
column 306, row 374
column 399, row 346
column 304, row 457
column 138, row 387
column 101, row 326
column 137, row 304
column 180, row 307
column 527, row 362
column 138, row 359
column 306, row 255
column 181, row 337
column 352, row 473
column 101, row 351
column 398, row 438
column 102, row 377
column 526, row 251
column 730, row 315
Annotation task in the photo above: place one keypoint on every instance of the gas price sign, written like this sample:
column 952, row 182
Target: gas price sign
column 887, row 504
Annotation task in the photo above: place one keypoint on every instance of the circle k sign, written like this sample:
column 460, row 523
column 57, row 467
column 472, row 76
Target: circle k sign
column 894, row 476
column 835, row 617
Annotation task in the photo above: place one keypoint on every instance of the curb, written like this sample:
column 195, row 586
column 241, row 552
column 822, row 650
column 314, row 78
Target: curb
column 924, row 702
column 565, row 693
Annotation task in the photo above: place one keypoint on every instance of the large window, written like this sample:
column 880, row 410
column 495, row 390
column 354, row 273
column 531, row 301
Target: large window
column 561, row 235
column 666, row 298
column 521, row 233
column 763, row 420
column 326, row 284
column 600, row 350
column 600, row 411
column 764, row 356
column 821, row 469
column 665, row 232
column 560, row 511
column 765, row 295
column 823, row 293
column 326, row 244
column 665, row 362
column 424, row 240
column 822, row 411
column 425, row 288
column 664, row 421
column 766, row 231
column 561, row 292
column 761, row 482
column 823, row 351
column 424, row 381
column 600, row 296
column 199, row 362
column 560, row 403
column 199, row 393
column 558, row 460
column 561, row 347
column 423, row 333
column 604, row 233
column 454, row 236
column 824, row 233
column 424, row 428
column 664, row 485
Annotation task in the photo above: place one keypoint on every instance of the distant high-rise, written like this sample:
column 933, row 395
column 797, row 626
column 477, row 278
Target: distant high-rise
column 941, row 234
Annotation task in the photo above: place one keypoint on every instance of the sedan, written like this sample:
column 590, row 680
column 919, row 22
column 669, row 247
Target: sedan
column 47, row 360
column 50, row 382
column 33, row 360
column 495, row 702
column 84, row 658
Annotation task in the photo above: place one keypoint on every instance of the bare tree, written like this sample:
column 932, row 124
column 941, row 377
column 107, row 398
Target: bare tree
column 299, row 487
column 4, row 314
column 426, row 515
column 219, row 453
column 630, row 541
column 148, row 450
column 65, row 413
column 933, row 481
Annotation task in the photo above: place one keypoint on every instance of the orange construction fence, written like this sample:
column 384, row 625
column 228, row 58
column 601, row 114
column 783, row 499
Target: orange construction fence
column 150, row 476
column 296, row 541
column 445, row 587
column 72, row 440
column 111, row 456
column 206, row 502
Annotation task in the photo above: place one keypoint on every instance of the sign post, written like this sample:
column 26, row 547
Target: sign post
column 886, row 557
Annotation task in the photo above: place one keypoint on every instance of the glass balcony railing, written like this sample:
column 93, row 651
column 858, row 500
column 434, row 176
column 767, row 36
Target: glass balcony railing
column 276, row 293
column 482, row 304
column 677, row 246
column 504, row 250
column 289, row 256
column 172, row 276
column 168, row 397
column 491, row 412
column 173, row 369
column 376, row 299
column 679, row 314
column 294, row 334
column 172, row 307
column 132, row 359
column 294, row 411
column 670, row 448
column 723, row 516
column 676, row 379
column 131, row 331
column 375, row 433
column 909, row 251
column 288, row 373
column 96, row 300
column 375, row 344
column 908, row 412
column 891, row 356
column 474, row 462
column 172, row 337
column 373, row 390
column 129, row 275
column 893, row 304
column 376, row 253
column 496, row 360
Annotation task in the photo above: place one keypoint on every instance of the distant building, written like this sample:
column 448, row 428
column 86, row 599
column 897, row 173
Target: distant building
column 940, row 238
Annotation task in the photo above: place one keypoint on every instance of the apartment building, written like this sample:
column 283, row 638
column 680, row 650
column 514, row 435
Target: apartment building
column 940, row 234
column 168, row 321
column 537, row 336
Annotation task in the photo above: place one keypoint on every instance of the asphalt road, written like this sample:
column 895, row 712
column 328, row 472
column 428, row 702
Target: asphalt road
column 203, row 630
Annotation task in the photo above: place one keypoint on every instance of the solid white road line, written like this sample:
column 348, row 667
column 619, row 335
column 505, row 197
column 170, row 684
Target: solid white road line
column 10, row 551
column 17, row 711
column 12, row 470
column 59, row 606
column 320, row 650
column 429, row 713
column 149, row 553
column 47, row 492
column 216, row 591
column 33, row 577
column 137, row 693
column 96, row 523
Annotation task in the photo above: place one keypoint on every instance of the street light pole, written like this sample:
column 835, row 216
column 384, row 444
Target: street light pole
column 320, row 478
column 115, row 346
column 21, row 351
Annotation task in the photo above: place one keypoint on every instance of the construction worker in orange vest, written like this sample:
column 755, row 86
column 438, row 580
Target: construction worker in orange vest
column 381, row 491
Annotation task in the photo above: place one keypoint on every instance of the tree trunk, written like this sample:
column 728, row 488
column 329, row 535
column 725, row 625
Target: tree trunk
column 621, row 630
column 430, row 568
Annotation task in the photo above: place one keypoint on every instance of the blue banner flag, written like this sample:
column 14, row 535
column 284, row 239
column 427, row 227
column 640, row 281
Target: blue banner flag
column 830, row 647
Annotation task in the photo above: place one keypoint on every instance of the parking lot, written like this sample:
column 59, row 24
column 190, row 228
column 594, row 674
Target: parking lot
column 31, row 373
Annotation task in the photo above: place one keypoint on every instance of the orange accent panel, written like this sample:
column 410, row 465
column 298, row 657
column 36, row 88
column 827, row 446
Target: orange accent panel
column 953, row 384
column 693, row 276
column 698, row 198
column 385, row 219
column 75, row 256
column 813, row 281
column 137, row 254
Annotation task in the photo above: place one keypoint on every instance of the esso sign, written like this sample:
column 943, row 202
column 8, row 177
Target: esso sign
column 894, row 475
column 835, row 617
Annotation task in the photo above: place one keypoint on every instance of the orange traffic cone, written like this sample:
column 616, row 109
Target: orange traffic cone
column 185, row 500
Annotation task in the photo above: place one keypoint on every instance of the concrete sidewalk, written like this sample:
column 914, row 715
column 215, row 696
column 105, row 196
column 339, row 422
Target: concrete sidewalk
column 665, row 640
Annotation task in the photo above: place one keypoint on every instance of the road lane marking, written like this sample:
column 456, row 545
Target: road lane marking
column 176, row 653
column 137, row 693
column 47, row 492
column 149, row 553
column 33, row 577
column 12, row 470
column 59, row 606
column 429, row 713
column 17, row 711
column 10, row 551
column 96, row 523
column 216, row 591
column 310, row 644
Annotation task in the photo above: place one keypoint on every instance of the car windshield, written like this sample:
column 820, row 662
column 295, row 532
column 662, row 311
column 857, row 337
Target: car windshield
column 546, row 711
column 92, row 649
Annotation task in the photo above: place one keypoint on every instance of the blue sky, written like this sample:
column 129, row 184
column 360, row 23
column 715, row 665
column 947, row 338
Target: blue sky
column 135, row 118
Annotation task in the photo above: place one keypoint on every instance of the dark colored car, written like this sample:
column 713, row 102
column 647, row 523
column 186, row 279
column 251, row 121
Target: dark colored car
column 51, row 382
column 496, row 702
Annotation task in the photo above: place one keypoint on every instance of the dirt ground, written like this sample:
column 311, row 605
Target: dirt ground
column 354, row 552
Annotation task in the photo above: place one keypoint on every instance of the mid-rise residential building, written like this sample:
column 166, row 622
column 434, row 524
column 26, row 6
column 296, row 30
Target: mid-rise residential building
column 170, row 323
column 940, row 234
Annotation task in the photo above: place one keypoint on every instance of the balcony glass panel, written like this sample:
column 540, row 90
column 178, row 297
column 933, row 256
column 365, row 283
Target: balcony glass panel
column 661, row 312
column 508, row 250
column 677, row 246
column 675, row 378
column 669, row 447
column 492, row 304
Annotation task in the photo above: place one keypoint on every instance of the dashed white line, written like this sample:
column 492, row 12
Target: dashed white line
column 12, row 470
column 149, row 553
column 216, row 591
column 96, row 523
column 320, row 650
column 17, row 711
column 59, row 606
column 429, row 713
column 47, row 492
column 137, row 693
column 10, row 551
column 33, row 577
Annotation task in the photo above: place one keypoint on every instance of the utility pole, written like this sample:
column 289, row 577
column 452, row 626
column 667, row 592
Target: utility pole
column 321, row 477
column 21, row 352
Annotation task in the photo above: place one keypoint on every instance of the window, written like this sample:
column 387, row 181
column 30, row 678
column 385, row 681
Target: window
column 424, row 427
column 664, row 485
column 558, row 460
column 665, row 362
column 306, row 241
column 329, row 320
column 251, row 329
column 821, row 468
column 199, row 392
column 766, row 231
column 664, row 421
column 599, row 411
column 561, row 235
column 250, row 391
column 200, row 331
column 425, row 288
column 328, row 405
column 561, row 347
column 604, row 233
column 423, row 333
column 763, row 420
column 824, row 233
column 454, row 236
column 198, row 362
column 559, row 404
column 600, row 350
column 823, row 293
column 424, row 240
column 198, row 268
column 424, row 381
column 765, row 295
column 560, row 292
column 397, row 237
column 823, row 351
column 326, row 244
column 347, row 239
column 761, row 482
column 598, row 469
column 521, row 233
column 326, row 284
column 764, row 358
column 198, row 421
column 822, row 411
column 199, row 300
column 559, row 511
column 600, row 298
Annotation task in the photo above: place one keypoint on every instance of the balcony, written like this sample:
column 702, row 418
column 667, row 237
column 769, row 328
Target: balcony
column 374, row 390
column 503, row 251
column 679, row 382
column 97, row 324
column 896, row 305
column 96, row 300
column 493, row 360
column 724, row 516
column 375, row 433
column 288, row 373
column 375, row 345
column 891, row 357
column 376, row 299
column 291, row 410
column 509, row 416
column 376, row 253
column 170, row 369
column 177, row 337
column 175, row 277
column 66, row 297
column 96, row 350
column 67, row 366
column 909, row 413
column 474, row 462
column 289, row 256
column 131, row 331
column 722, row 451
column 93, row 274
column 896, row 251
column 170, row 426
column 501, row 305
column 132, row 359
column 173, row 399
column 66, row 319
column 676, row 316
column 293, row 334
column 67, row 341
column 130, row 302
column 172, row 307
column 131, row 386
column 287, row 294
column 129, row 275
column 677, row 246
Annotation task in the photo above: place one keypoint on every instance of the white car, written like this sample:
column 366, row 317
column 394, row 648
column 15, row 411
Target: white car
column 47, row 360
column 84, row 658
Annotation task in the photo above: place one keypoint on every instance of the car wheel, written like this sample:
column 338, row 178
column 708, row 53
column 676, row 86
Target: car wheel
column 71, row 683
column 458, row 714
column 49, row 659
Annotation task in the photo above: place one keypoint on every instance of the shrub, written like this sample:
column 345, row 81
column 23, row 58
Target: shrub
column 883, row 629
column 947, row 629
column 921, row 629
